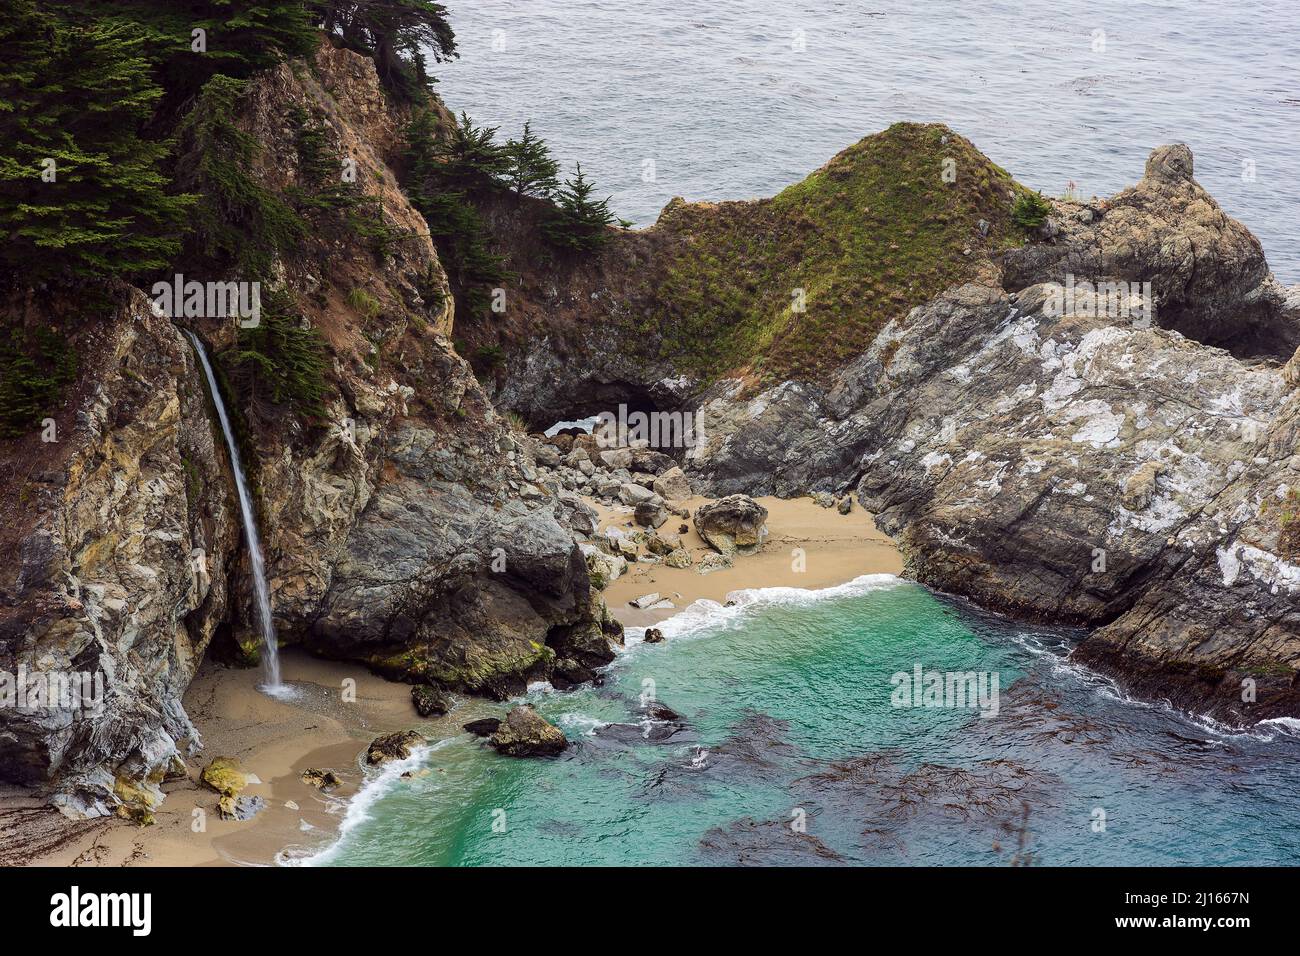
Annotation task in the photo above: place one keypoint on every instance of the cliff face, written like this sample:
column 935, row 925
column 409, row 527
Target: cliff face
column 401, row 524
column 1087, row 458
column 121, row 536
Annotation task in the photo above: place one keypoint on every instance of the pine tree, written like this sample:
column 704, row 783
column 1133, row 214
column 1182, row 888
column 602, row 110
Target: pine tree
column 530, row 170
column 81, row 193
column 580, row 222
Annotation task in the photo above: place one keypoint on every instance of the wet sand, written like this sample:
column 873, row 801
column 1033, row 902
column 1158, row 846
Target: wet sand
column 808, row 547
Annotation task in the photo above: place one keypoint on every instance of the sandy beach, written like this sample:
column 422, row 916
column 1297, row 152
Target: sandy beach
column 808, row 547
column 327, row 726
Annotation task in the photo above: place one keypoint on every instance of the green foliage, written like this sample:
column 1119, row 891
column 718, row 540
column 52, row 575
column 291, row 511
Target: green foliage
column 580, row 222
column 796, row 285
column 442, row 176
column 365, row 304
column 1030, row 210
column 79, row 95
column 239, row 222
column 35, row 366
column 530, row 170
column 395, row 33
column 280, row 363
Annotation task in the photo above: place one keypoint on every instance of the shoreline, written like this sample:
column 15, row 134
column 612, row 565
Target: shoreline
column 274, row 740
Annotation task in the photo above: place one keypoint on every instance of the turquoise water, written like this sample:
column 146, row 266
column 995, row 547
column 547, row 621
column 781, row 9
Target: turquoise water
column 789, row 751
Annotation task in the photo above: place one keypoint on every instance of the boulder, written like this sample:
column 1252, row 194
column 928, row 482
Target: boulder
column 651, row 513
column 845, row 505
column 732, row 525
column 320, row 779
column 653, row 635
column 525, row 733
column 395, row 746
column 630, row 493
column 224, row 776
column 663, row 543
column 681, row 558
column 646, row 600
column 714, row 562
column 429, row 701
column 672, row 485
column 647, row 459
column 602, row 568
column 483, row 727
column 546, row 455
column 616, row 458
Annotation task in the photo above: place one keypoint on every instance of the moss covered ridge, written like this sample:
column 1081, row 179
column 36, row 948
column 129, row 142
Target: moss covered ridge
column 795, row 285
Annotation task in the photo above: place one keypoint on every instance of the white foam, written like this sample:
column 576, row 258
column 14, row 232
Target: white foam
column 704, row 613
column 357, row 810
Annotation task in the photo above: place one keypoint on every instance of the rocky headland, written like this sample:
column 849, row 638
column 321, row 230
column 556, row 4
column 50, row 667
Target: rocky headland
column 879, row 333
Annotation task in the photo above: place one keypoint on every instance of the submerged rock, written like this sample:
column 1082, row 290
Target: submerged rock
column 429, row 701
column 653, row 635
column 525, row 733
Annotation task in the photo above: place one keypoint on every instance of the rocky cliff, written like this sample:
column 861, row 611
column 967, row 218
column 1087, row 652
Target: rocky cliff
column 402, row 527
column 1086, row 420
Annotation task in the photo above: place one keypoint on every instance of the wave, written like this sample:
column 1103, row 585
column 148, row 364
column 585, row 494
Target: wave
column 357, row 810
column 706, row 614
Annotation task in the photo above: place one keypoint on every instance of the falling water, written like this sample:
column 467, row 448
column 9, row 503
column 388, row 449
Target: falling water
column 270, row 650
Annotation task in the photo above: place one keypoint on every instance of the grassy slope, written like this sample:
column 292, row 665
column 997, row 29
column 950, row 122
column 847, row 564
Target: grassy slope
column 869, row 236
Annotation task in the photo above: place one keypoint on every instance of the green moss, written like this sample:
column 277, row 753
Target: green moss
column 796, row 285
column 481, row 671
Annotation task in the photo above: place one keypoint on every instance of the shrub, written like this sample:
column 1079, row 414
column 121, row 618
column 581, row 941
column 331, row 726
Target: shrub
column 1030, row 210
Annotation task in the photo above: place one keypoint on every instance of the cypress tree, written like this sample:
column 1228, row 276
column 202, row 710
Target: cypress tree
column 530, row 170
column 81, row 192
column 579, row 222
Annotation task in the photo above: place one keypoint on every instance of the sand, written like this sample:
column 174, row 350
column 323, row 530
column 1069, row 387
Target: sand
column 808, row 547
column 275, row 740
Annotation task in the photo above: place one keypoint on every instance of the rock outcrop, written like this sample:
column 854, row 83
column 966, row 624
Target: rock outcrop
column 1090, row 425
column 526, row 733
column 401, row 522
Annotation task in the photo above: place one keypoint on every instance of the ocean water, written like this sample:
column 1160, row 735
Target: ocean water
column 789, row 750
column 723, row 99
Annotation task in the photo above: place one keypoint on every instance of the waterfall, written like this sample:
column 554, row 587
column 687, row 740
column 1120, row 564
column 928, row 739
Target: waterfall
column 262, row 593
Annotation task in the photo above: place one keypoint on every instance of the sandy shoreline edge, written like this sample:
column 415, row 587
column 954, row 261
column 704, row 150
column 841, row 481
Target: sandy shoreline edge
column 809, row 547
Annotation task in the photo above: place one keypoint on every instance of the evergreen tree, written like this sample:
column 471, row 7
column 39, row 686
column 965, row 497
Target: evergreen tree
column 81, row 193
column 579, row 222
column 470, row 158
column 394, row 33
column 530, row 170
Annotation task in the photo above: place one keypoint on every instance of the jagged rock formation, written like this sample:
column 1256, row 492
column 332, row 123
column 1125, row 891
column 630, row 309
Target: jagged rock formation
column 119, row 536
column 402, row 527
column 1066, row 458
